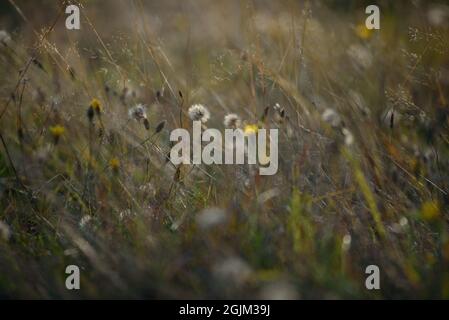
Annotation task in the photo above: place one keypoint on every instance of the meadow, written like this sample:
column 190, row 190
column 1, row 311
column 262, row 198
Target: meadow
column 363, row 172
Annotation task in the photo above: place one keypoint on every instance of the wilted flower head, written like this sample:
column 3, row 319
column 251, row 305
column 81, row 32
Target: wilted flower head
column 5, row 38
column 331, row 117
column 137, row 112
column 251, row 129
column 96, row 105
column 232, row 121
column 198, row 112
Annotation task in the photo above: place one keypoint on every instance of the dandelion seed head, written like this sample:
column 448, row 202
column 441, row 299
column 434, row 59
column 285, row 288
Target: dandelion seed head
column 137, row 112
column 232, row 121
column 198, row 112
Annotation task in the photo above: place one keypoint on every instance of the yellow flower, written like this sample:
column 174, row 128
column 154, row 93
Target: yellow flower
column 363, row 32
column 446, row 250
column 57, row 131
column 114, row 163
column 96, row 106
column 251, row 129
column 430, row 210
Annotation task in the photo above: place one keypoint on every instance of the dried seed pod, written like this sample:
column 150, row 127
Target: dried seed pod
column 392, row 120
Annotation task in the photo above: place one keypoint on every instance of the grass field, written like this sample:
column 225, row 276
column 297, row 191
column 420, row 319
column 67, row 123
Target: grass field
column 363, row 121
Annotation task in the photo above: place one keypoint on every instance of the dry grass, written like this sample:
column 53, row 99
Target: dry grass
column 363, row 145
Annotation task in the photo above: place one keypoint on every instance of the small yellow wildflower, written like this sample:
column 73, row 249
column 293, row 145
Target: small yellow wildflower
column 96, row 106
column 430, row 210
column 57, row 131
column 363, row 32
column 251, row 129
column 115, row 164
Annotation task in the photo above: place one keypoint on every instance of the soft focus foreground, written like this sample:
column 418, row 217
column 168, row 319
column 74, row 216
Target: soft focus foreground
column 363, row 149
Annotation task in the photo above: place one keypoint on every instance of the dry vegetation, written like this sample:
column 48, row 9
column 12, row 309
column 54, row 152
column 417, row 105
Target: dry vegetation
column 363, row 150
